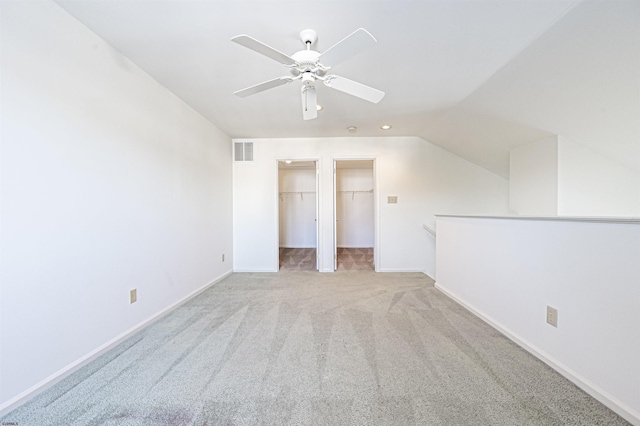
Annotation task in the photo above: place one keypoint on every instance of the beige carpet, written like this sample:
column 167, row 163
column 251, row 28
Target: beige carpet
column 305, row 348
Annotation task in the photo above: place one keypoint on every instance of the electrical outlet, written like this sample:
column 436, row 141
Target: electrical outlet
column 552, row 316
column 392, row 199
column 133, row 296
column 223, row 257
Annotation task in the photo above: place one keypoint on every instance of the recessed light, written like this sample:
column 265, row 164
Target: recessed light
column 319, row 107
column 287, row 161
column 385, row 126
column 352, row 129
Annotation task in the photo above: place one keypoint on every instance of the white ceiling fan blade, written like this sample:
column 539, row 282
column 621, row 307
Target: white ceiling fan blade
column 354, row 88
column 252, row 90
column 349, row 46
column 262, row 48
column 309, row 103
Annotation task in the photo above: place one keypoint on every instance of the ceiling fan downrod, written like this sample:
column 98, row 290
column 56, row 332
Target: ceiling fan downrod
column 308, row 37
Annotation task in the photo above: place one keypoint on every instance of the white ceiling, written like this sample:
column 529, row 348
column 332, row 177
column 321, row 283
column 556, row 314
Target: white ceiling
column 475, row 77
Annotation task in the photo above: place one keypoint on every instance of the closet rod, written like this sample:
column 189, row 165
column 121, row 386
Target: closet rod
column 296, row 192
column 353, row 193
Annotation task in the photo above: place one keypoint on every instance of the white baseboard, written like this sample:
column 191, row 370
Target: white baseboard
column 56, row 377
column 626, row 412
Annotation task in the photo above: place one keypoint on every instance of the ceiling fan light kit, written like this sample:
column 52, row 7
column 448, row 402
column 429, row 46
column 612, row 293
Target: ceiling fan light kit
column 310, row 66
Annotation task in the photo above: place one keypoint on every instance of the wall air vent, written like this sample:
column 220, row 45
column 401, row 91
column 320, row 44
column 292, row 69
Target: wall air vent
column 243, row 151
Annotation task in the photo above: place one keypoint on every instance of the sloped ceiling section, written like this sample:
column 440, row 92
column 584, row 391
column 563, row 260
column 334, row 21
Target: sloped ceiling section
column 474, row 77
column 580, row 79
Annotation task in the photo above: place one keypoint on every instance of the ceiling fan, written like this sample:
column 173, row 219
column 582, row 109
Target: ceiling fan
column 310, row 66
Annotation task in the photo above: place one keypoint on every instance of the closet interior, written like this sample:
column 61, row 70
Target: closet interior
column 298, row 209
column 354, row 215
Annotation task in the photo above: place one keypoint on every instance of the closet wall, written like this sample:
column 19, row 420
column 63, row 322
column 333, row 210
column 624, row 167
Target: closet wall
column 354, row 205
column 297, row 195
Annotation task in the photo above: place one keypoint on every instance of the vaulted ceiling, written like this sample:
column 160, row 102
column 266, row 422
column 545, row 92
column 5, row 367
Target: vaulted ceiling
column 475, row 77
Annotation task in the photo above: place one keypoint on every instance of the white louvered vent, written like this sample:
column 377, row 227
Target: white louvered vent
column 243, row 151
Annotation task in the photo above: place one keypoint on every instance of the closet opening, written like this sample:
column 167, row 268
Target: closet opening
column 298, row 215
column 354, row 213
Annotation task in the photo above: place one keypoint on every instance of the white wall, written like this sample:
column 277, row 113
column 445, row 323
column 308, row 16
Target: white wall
column 508, row 270
column 592, row 185
column 297, row 190
column 556, row 176
column 355, row 210
column 109, row 183
column 425, row 178
column 533, row 178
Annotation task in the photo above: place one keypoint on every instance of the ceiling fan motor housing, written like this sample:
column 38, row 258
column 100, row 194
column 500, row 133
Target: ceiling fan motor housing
column 307, row 59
